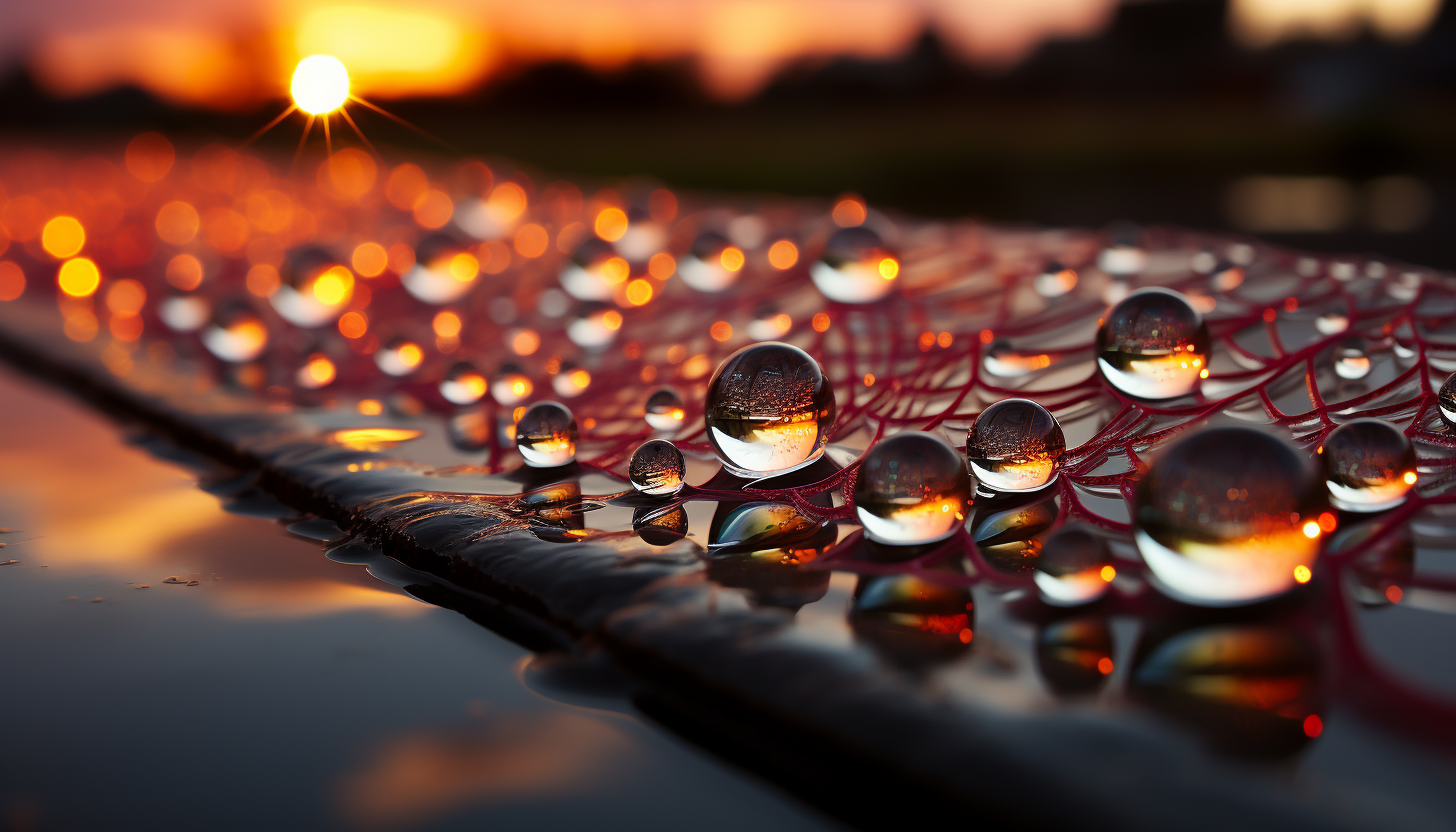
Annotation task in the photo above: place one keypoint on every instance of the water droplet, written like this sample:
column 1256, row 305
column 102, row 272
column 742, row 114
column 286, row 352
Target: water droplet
column 1446, row 402
column 469, row 430
column 463, row 384
column 664, row 410
column 659, row 527
column 856, row 267
column 760, row 547
column 1369, row 465
column 1074, row 656
column 315, row 288
column 768, row 323
column 444, row 271
column 399, row 357
column 1227, row 276
column 1153, row 345
column 1123, row 256
column 1268, row 683
column 316, row 371
column 1074, row 568
column 546, row 435
column 511, row 385
column 657, row 468
column 570, row 381
column 1015, row 445
column 914, row 621
column 1225, row 516
column 184, row 312
column 235, row 334
column 1055, row 280
column 1332, row 322
column 1004, row 360
column 1351, row 360
column 595, row 271
column 594, row 326
column 768, row 410
column 713, row 264
column 912, row 488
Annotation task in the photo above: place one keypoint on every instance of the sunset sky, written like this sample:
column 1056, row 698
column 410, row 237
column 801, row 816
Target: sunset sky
column 225, row 55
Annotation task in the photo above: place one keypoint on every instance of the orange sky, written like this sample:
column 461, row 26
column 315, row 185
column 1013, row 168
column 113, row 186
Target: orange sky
column 223, row 55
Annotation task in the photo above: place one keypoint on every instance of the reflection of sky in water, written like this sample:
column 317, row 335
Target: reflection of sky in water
column 284, row 690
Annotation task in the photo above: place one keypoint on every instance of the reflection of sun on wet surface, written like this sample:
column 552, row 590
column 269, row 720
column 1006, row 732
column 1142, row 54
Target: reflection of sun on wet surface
column 374, row 439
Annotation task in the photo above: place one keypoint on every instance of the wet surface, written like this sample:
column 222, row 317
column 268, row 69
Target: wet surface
column 170, row 665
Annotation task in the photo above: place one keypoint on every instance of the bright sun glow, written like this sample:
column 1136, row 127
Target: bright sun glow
column 320, row 84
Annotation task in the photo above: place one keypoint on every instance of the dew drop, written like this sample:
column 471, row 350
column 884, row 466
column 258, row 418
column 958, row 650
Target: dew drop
column 1369, row 465
column 1124, row 255
column 1446, row 402
column 182, row 312
column 664, row 410
column 1332, row 323
column 1055, row 280
column 1004, row 360
column 315, row 288
column 657, row 468
column 399, row 357
column 595, row 271
column 511, row 385
column 1009, row 529
column 1351, row 359
column 235, row 333
column 594, row 326
column 768, row 410
column 444, row 271
column 1153, row 345
column 1015, row 445
column 713, row 264
column 1074, row 568
column 1225, row 516
column 912, row 488
column 1226, row 276
column 856, row 267
column 570, row 381
column 546, row 435
column 463, row 384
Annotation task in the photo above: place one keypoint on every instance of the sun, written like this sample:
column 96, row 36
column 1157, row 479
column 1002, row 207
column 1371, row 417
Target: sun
column 320, row 84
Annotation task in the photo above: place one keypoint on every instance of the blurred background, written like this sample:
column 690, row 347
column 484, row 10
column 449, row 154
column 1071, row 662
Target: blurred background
column 1325, row 124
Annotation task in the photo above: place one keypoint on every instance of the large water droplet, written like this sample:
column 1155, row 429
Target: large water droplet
column 1153, row 345
column 444, row 271
column 399, row 357
column 315, row 288
column 912, row 488
column 511, row 385
column 664, row 410
column 1351, row 359
column 1332, row 322
column 1230, row 516
column 768, row 410
column 463, row 384
column 1004, row 360
column 546, row 435
column 1075, row 656
column 657, row 468
column 713, row 264
column 1074, row 568
column 1015, row 445
column 235, row 334
column 1446, row 402
column 1369, row 465
column 856, row 267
